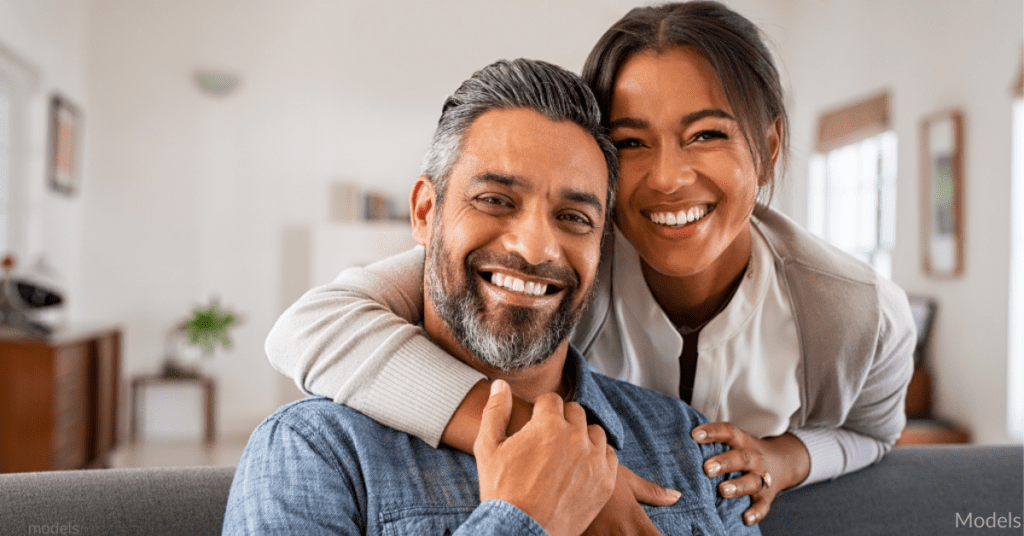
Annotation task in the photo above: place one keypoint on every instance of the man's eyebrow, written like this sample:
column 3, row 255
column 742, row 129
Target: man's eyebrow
column 583, row 196
column 514, row 181
column 692, row 117
column 510, row 181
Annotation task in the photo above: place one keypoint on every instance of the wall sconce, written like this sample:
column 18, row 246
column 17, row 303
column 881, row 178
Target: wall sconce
column 216, row 83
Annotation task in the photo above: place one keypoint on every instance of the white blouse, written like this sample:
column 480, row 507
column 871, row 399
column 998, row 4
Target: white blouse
column 748, row 356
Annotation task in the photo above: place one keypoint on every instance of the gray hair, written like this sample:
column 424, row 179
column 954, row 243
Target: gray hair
column 509, row 84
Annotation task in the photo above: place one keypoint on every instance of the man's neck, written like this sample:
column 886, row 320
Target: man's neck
column 527, row 384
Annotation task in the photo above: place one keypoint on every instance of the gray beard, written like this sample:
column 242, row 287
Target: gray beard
column 528, row 338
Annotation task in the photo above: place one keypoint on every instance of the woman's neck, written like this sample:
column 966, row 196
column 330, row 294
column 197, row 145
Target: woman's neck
column 692, row 300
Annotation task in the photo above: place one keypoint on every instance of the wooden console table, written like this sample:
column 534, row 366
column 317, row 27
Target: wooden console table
column 208, row 385
column 58, row 400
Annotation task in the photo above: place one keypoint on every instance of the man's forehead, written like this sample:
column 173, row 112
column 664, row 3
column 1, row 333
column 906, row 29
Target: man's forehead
column 524, row 149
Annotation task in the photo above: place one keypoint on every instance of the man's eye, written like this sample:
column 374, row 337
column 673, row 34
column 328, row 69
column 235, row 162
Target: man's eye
column 494, row 200
column 576, row 219
column 628, row 143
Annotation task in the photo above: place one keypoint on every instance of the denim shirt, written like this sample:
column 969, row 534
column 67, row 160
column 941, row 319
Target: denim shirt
column 316, row 467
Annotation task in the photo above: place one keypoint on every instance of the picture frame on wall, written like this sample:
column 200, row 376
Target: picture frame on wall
column 942, row 193
column 65, row 133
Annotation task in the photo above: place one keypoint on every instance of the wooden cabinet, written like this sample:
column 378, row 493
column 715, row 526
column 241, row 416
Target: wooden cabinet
column 58, row 400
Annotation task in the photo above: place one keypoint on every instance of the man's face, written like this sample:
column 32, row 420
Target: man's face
column 513, row 252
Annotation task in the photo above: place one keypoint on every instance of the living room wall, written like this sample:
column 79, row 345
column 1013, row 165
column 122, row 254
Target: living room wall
column 930, row 56
column 47, row 37
column 189, row 194
column 185, row 196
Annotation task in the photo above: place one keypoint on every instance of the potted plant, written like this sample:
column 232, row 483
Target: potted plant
column 197, row 338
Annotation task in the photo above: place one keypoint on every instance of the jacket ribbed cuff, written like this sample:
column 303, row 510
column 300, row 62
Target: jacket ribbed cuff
column 826, row 454
column 419, row 390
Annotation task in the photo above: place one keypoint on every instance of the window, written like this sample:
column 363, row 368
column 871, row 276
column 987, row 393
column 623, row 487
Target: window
column 851, row 187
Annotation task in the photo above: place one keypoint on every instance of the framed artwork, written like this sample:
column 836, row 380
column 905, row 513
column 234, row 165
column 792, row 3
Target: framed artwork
column 942, row 193
column 65, row 131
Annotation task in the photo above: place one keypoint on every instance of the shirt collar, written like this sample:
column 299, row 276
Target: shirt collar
column 588, row 394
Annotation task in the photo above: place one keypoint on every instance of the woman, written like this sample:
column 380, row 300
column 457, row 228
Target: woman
column 801, row 352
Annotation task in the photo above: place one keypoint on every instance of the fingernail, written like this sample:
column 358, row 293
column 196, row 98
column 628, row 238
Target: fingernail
column 700, row 435
column 728, row 489
column 676, row 495
column 713, row 469
column 496, row 387
column 751, row 519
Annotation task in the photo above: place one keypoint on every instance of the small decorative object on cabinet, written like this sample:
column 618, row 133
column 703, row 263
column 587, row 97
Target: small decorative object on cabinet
column 59, row 400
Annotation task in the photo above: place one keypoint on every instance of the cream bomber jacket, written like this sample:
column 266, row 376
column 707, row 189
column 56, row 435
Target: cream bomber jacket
column 355, row 340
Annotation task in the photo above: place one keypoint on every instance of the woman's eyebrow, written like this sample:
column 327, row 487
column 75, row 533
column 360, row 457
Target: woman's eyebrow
column 628, row 122
column 692, row 117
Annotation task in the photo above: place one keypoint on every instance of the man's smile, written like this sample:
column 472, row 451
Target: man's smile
column 519, row 290
column 525, row 284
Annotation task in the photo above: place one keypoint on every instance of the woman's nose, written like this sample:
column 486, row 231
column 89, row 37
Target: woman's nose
column 671, row 170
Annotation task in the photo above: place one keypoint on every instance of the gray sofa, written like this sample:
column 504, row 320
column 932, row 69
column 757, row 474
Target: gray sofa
column 914, row 490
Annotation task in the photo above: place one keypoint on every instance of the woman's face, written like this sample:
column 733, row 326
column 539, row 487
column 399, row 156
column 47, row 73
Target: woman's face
column 688, row 181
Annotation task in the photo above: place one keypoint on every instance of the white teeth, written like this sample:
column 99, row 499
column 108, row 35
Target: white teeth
column 674, row 219
column 518, row 285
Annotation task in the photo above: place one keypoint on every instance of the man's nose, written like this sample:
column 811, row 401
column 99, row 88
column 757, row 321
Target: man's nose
column 534, row 238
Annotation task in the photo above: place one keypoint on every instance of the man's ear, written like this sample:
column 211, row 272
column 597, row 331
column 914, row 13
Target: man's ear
column 421, row 209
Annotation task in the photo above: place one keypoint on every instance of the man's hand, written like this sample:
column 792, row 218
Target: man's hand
column 622, row 515
column 771, row 465
column 556, row 468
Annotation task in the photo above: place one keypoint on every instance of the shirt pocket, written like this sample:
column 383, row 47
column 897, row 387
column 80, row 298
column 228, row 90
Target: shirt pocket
column 426, row 520
column 686, row 520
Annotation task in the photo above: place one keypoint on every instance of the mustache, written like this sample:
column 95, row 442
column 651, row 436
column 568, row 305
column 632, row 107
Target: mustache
column 563, row 276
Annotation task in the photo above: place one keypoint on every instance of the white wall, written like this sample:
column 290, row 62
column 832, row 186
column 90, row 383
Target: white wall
column 930, row 55
column 186, row 196
column 189, row 195
column 48, row 36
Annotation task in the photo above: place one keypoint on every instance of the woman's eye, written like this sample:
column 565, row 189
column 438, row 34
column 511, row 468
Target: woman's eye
column 707, row 135
column 628, row 143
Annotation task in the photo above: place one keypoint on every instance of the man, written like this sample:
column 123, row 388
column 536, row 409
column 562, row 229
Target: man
column 512, row 209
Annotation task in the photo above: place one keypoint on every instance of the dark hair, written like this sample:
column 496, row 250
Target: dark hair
column 509, row 84
column 734, row 48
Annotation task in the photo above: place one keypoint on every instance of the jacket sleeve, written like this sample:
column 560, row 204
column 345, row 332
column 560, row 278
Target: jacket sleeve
column 876, row 418
column 497, row 518
column 355, row 340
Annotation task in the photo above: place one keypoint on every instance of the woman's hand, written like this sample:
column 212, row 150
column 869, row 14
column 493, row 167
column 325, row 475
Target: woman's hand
column 622, row 515
column 770, row 465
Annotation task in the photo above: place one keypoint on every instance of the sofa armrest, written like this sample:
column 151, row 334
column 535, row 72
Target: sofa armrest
column 189, row 500
column 913, row 490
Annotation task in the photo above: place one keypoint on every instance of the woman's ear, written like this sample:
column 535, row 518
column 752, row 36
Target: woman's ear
column 775, row 140
column 421, row 209
column 775, row 147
